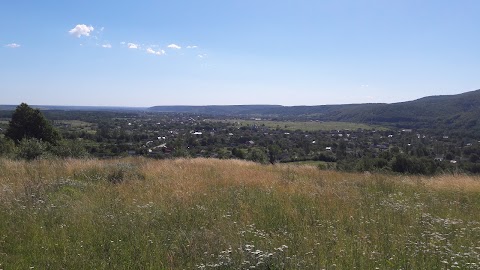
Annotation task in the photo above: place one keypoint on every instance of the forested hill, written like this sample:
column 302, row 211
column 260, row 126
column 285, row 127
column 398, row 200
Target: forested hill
column 449, row 111
column 452, row 112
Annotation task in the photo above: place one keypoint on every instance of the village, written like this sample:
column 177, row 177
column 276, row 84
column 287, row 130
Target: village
column 171, row 135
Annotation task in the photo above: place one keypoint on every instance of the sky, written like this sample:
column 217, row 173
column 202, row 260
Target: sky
column 223, row 52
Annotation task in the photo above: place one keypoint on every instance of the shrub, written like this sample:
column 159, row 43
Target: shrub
column 257, row 155
column 72, row 149
column 30, row 149
column 7, row 147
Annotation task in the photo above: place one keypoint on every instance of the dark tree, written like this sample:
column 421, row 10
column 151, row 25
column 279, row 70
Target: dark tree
column 273, row 153
column 30, row 123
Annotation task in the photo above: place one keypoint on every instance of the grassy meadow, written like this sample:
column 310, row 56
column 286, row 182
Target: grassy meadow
column 303, row 125
column 138, row 213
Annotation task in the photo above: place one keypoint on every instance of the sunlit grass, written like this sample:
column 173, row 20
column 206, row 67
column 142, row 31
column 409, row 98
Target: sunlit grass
column 305, row 125
column 230, row 214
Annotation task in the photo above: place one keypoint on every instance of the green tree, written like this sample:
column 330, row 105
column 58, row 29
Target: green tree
column 257, row 155
column 30, row 123
column 273, row 153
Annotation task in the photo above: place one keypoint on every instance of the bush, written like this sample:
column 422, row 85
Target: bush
column 405, row 164
column 121, row 172
column 30, row 149
column 372, row 164
column 257, row 155
column 327, row 157
column 72, row 149
column 7, row 147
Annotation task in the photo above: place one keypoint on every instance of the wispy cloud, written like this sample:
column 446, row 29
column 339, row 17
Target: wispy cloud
column 152, row 51
column 192, row 47
column 13, row 45
column 132, row 46
column 174, row 46
column 81, row 30
column 107, row 46
column 202, row 55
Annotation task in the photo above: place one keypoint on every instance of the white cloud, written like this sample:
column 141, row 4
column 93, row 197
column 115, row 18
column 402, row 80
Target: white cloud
column 192, row 47
column 13, row 45
column 81, row 30
column 202, row 55
column 174, row 46
column 108, row 46
column 132, row 46
column 152, row 51
column 123, row 43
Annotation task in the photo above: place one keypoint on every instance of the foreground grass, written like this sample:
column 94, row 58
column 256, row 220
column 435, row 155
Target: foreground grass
column 213, row 214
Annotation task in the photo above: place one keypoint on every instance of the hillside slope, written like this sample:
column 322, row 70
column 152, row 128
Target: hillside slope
column 453, row 111
column 140, row 213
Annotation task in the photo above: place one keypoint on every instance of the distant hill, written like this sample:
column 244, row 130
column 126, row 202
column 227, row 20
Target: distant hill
column 450, row 111
column 441, row 112
column 75, row 108
column 444, row 113
column 217, row 109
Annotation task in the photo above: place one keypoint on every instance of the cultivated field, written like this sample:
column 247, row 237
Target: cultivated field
column 228, row 214
column 303, row 125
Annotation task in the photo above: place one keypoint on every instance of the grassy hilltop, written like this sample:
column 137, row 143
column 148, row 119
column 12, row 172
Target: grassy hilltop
column 226, row 214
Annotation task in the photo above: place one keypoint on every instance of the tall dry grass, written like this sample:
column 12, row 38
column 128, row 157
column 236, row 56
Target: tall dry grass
column 230, row 214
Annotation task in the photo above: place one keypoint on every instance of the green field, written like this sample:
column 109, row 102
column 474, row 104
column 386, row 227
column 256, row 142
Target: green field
column 76, row 125
column 138, row 213
column 73, row 123
column 305, row 125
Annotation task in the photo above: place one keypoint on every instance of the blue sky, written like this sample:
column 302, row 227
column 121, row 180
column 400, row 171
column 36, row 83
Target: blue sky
column 302, row 52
